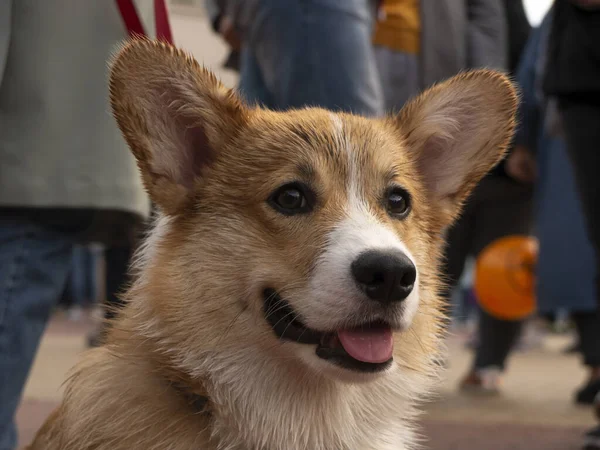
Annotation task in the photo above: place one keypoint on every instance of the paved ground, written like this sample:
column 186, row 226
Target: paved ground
column 535, row 411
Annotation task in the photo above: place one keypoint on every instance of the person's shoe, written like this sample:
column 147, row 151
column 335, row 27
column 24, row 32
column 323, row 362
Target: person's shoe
column 482, row 381
column 592, row 439
column 587, row 394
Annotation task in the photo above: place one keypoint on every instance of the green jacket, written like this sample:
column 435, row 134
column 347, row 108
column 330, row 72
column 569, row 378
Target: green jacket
column 59, row 144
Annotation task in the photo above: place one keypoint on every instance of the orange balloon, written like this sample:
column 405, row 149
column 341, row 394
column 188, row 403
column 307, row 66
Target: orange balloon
column 505, row 277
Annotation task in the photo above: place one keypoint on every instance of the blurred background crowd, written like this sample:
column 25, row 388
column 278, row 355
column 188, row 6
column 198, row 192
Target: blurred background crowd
column 72, row 208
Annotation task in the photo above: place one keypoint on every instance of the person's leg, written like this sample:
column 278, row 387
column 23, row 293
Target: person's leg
column 96, row 257
column 317, row 53
column 66, row 299
column 496, row 339
column 79, row 276
column 588, row 329
column 504, row 208
column 117, row 260
column 81, row 281
column 35, row 263
column 581, row 119
column 117, row 278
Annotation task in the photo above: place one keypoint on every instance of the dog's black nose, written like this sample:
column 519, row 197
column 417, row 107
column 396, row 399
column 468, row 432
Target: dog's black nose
column 385, row 277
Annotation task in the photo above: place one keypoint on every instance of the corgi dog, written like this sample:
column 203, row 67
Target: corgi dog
column 287, row 296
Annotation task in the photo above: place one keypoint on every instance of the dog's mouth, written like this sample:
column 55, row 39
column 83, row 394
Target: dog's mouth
column 366, row 348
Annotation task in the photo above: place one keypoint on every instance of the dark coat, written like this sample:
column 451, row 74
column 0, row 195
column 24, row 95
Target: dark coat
column 566, row 264
column 573, row 65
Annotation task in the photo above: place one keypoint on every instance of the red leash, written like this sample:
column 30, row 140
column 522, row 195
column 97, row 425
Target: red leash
column 134, row 24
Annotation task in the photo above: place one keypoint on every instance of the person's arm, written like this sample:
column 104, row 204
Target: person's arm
column 486, row 34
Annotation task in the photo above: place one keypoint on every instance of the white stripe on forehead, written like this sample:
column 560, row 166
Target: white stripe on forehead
column 360, row 226
column 352, row 186
column 333, row 287
column 338, row 125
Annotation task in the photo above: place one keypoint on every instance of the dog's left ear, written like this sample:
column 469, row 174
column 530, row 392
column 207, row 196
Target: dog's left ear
column 175, row 116
column 456, row 132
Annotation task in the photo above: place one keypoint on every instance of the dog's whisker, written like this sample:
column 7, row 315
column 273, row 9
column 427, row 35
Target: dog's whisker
column 290, row 322
column 272, row 311
column 418, row 339
column 301, row 334
column 283, row 318
column 228, row 329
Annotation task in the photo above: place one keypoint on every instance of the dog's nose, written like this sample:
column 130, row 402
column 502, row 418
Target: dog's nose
column 385, row 277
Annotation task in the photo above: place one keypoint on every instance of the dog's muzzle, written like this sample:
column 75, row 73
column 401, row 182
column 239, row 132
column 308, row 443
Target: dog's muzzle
column 366, row 348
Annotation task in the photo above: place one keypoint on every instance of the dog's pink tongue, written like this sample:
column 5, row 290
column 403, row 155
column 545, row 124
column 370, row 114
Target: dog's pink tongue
column 368, row 345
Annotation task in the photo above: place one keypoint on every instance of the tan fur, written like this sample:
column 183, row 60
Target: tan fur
column 195, row 314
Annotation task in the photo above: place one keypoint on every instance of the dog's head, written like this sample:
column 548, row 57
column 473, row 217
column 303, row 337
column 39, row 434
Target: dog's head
column 306, row 234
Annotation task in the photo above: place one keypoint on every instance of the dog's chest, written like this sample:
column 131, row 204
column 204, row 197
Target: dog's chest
column 276, row 414
column 391, row 436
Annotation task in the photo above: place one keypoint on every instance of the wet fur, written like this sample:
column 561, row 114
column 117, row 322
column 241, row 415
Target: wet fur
column 194, row 315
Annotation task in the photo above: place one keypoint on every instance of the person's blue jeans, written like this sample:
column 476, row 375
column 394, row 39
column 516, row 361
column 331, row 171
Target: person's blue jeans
column 83, row 275
column 34, row 265
column 302, row 53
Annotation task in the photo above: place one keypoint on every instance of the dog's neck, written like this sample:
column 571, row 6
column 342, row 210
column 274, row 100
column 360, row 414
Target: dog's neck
column 256, row 399
column 270, row 404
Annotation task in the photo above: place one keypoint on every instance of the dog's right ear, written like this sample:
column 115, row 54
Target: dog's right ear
column 175, row 116
column 456, row 132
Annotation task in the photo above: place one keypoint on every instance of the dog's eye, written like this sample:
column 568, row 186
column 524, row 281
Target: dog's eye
column 398, row 202
column 291, row 199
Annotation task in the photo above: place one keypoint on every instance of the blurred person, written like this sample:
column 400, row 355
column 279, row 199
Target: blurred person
column 117, row 257
column 500, row 206
column 80, row 289
column 573, row 79
column 421, row 42
column 83, row 279
column 223, row 25
column 116, row 280
column 66, row 176
column 565, row 268
column 296, row 53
